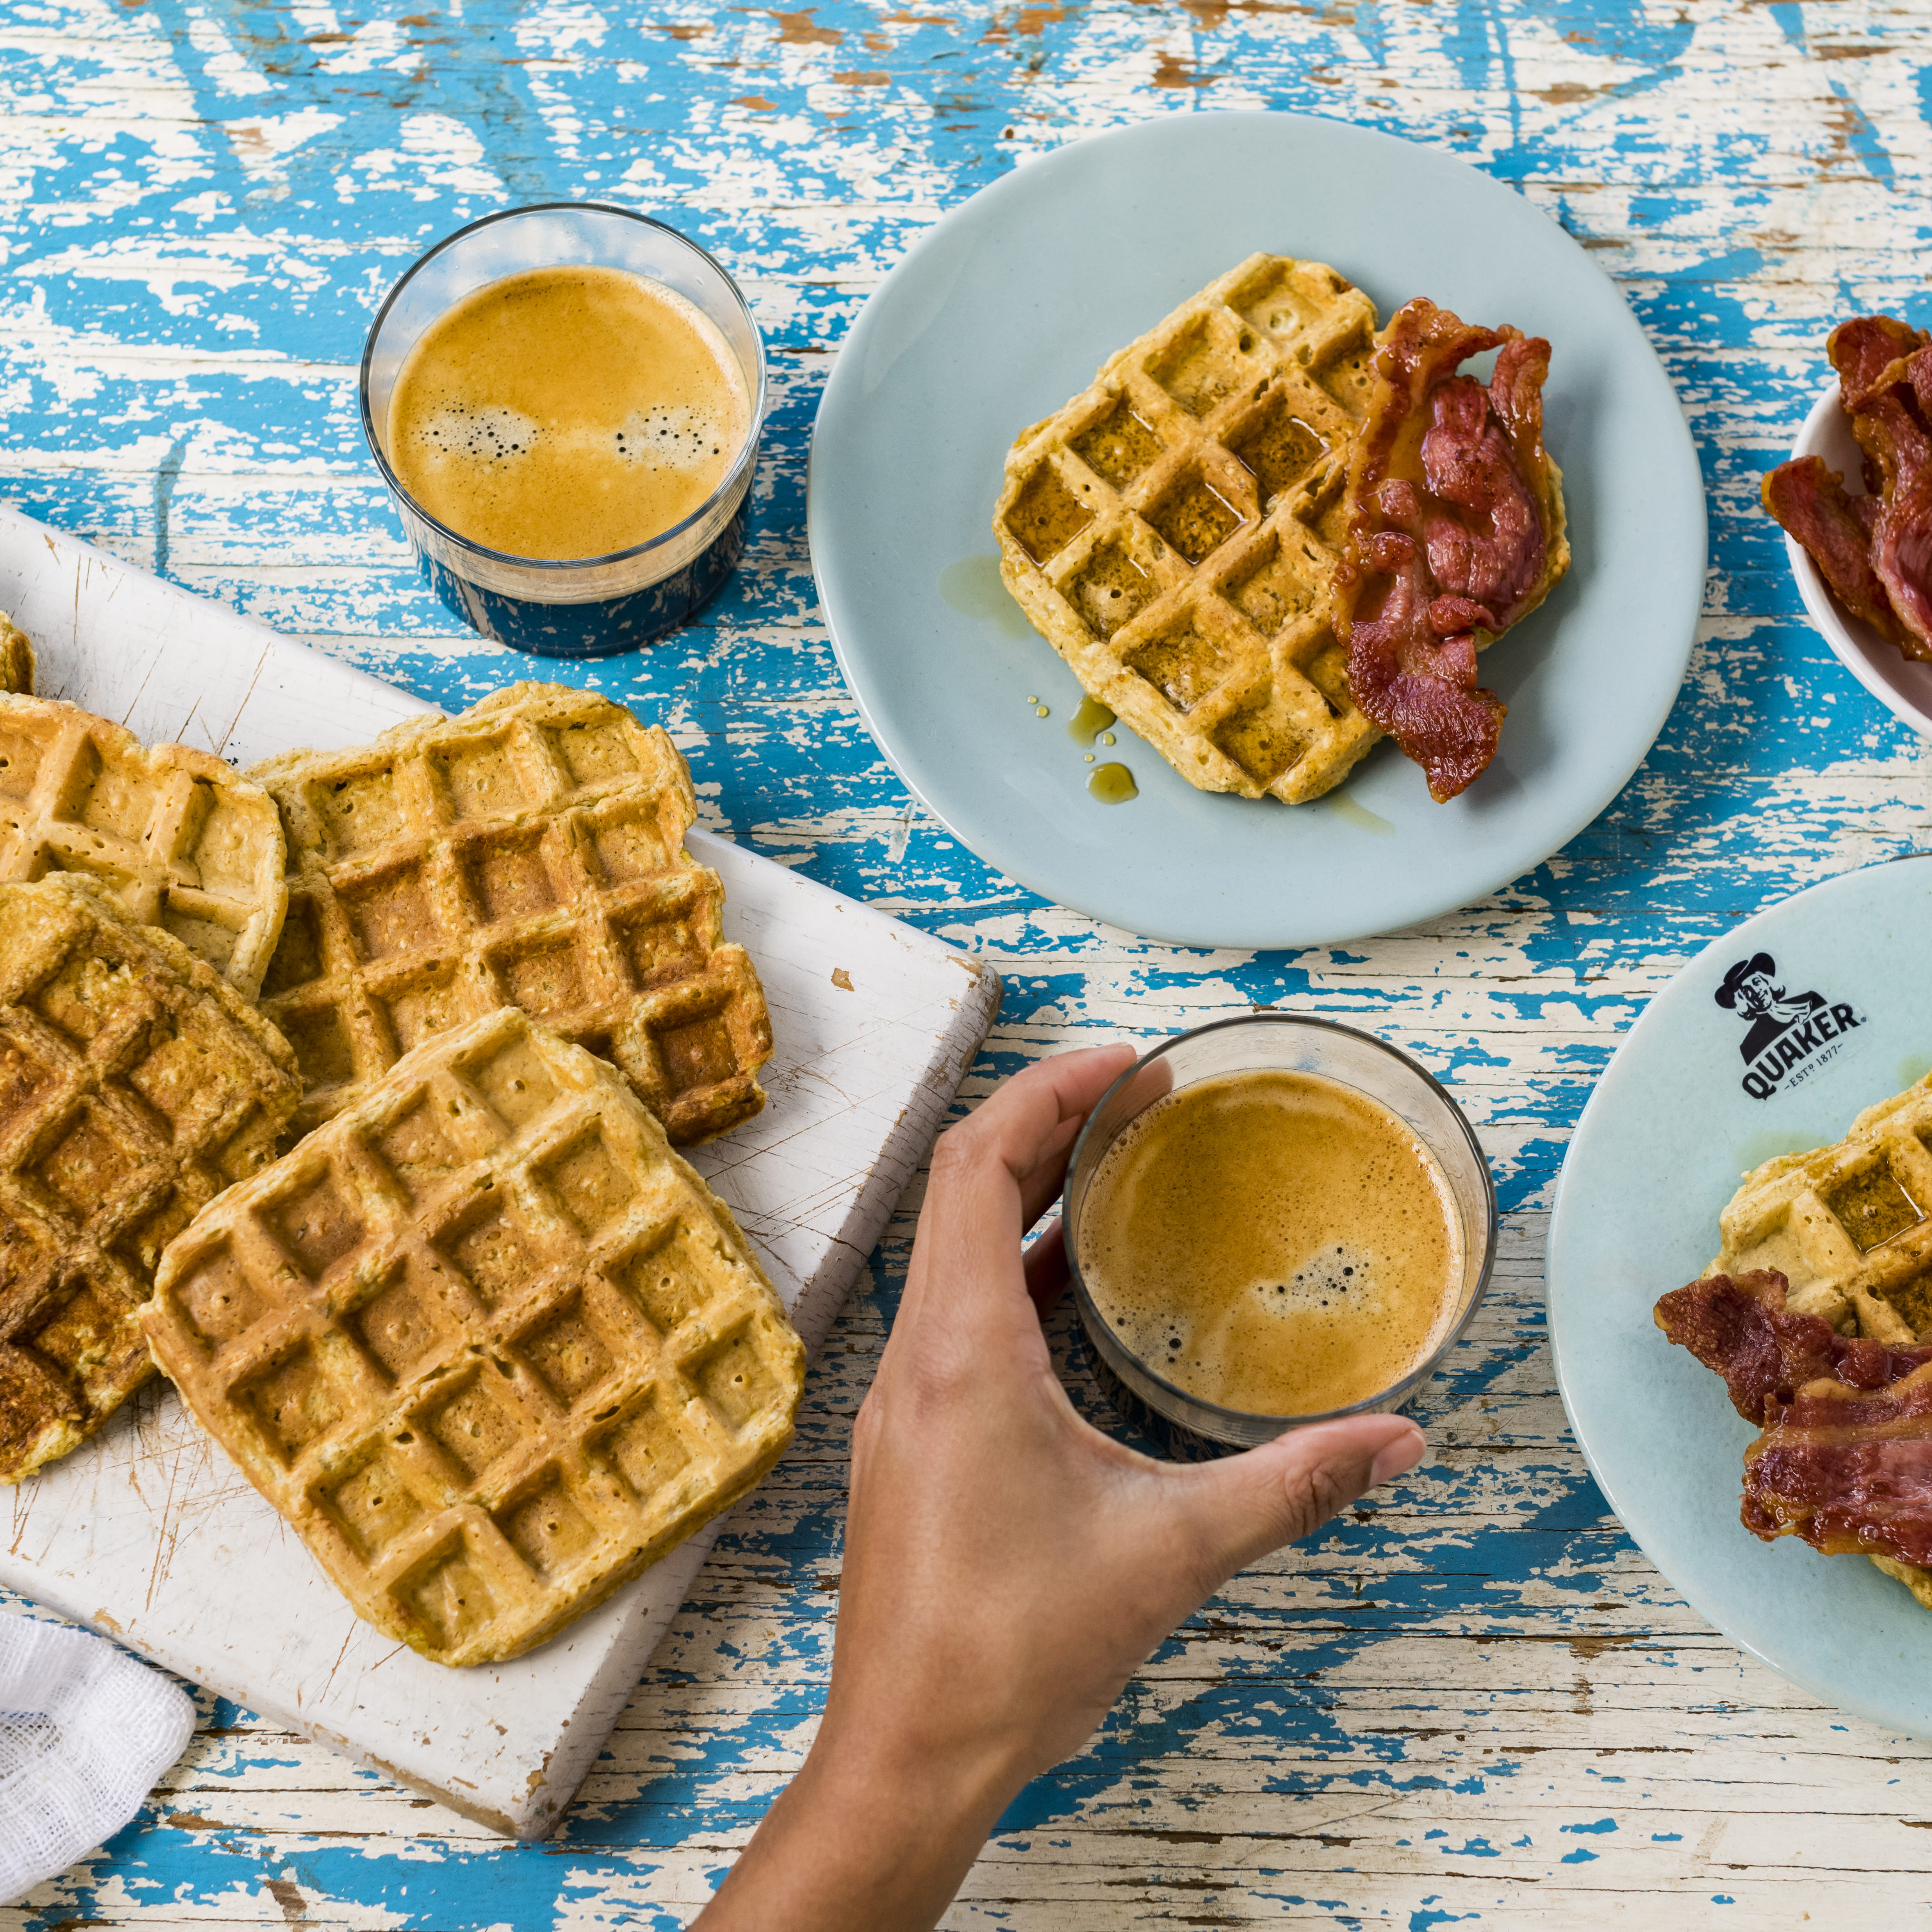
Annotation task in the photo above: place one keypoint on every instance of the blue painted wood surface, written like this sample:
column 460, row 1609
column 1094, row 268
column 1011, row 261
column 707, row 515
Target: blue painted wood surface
column 1471, row 1702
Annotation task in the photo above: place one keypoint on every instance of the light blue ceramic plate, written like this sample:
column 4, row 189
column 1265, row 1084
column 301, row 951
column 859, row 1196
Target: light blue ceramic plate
column 1005, row 308
column 1657, row 1153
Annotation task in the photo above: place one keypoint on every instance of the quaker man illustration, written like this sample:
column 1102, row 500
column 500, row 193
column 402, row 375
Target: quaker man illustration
column 1749, row 985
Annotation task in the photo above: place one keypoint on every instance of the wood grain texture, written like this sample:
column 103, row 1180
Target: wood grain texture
column 1471, row 1702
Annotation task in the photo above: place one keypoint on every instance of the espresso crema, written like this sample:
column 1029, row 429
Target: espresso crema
column 1274, row 1243
column 567, row 412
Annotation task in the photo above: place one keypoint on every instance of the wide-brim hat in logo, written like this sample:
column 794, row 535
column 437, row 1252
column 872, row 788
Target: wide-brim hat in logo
column 1727, row 995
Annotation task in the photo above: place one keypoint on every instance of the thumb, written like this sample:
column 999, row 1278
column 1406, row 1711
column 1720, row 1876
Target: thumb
column 1243, row 1506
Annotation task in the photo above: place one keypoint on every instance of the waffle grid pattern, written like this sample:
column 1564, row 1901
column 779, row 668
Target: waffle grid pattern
column 529, row 853
column 173, row 834
column 1849, row 1226
column 486, row 1341
column 134, row 1087
column 1171, row 531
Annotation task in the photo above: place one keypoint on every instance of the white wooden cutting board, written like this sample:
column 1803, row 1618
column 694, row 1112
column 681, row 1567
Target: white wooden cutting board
column 150, row 1534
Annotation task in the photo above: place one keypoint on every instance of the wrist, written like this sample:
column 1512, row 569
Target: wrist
column 908, row 1764
column 878, row 1829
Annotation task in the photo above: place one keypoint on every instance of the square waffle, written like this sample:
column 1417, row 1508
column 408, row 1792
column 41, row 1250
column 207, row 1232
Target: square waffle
column 16, row 658
column 135, row 1085
column 1171, row 531
column 485, row 1339
column 529, row 853
column 1850, row 1227
column 173, row 834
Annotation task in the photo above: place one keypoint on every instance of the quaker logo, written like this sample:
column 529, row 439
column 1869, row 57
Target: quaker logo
column 1788, row 1037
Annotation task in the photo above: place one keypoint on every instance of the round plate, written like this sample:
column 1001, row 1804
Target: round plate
column 1659, row 1151
column 1902, row 684
column 1004, row 309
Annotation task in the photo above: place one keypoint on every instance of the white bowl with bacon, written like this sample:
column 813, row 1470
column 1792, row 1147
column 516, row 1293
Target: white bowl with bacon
column 1901, row 684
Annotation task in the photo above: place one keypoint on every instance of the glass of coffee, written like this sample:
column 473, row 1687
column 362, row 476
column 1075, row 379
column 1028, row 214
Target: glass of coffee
column 565, row 401
column 1270, row 1221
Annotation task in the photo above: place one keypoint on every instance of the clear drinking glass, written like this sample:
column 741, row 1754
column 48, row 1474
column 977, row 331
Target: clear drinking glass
column 1190, row 1427
column 583, row 606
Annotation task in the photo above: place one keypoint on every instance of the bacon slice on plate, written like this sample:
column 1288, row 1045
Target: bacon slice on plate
column 1845, row 1459
column 1456, row 531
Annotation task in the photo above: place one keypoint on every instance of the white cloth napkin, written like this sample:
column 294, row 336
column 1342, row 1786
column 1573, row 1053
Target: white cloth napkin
column 85, row 1731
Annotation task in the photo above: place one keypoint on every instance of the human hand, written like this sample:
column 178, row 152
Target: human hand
column 1007, row 1566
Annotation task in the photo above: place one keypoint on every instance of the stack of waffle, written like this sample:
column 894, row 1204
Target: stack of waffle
column 484, row 1339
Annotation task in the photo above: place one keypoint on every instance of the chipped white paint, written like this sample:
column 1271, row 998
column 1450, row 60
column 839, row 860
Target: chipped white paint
column 1424, row 1718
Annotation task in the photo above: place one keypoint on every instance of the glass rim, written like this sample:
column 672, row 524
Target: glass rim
column 1383, row 1399
column 734, row 478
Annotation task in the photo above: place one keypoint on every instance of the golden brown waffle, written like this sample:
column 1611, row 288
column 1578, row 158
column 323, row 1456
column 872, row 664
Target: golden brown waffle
column 175, row 835
column 135, row 1085
column 16, row 658
column 1172, row 530
column 1850, row 1227
column 529, row 853
column 485, row 1339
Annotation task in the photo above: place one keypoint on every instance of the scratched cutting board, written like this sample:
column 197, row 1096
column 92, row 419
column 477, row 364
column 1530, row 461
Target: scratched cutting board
column 151, row 1535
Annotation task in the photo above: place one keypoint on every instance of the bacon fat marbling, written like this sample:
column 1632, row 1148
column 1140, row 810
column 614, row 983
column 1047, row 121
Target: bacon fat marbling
column 1456, row 531
column 1845, row 1458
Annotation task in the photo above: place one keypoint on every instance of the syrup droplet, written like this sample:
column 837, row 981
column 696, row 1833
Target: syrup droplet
column 1091, row 718
column 1042, row 711
column 1113, row 784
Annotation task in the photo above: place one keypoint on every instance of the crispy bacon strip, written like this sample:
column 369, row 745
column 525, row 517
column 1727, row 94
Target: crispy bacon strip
column 1810, row 501
column 1454, row 534
column 1845, row 1459
column 1863, row 351
column 1885, row 383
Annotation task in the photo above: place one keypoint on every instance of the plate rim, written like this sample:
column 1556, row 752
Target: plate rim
column 1797, row 1672
column 1403, row 911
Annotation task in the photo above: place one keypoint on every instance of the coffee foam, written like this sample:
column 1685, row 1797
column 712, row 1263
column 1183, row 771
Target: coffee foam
column 566, row 413
column 1272, row 1243
column 487, row 435
column 674, row 438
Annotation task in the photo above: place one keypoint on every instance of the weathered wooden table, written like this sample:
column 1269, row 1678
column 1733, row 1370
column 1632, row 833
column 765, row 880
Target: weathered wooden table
column 1472, row 1701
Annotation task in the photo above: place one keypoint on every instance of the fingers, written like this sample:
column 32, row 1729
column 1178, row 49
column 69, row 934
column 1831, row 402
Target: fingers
column 1246, row 1505
column 1016, row 1125
column 993, row 1175
column 1046, row 1272
column 1040, row 1189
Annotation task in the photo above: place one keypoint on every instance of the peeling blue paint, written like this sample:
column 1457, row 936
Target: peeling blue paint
column 228, row 278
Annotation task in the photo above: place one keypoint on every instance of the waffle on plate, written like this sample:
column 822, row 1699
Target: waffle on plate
column 1845, row 1225
column 1847, row 1228
column 529, row 853
column 1171, row 531
column 485, row 1339
column 135, row 1086
column 173, row 834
